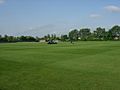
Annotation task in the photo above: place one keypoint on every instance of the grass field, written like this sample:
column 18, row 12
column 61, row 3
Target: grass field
column 65, row 66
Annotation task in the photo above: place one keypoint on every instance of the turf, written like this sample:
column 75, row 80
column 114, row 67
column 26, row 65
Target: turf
column 65, row 66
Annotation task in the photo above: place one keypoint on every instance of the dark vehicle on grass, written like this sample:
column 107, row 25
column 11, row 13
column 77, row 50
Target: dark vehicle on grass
column 52, row 42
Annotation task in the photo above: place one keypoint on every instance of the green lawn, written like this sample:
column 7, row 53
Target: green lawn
column 65, row 66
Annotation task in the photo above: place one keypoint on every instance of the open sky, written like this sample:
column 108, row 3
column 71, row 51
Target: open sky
column 40, row 17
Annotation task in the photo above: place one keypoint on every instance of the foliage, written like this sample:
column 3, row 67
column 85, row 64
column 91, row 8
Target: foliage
column 84, row 34
column 7, row 38
column 64, row 37
column 73, row 35
column 100, row 34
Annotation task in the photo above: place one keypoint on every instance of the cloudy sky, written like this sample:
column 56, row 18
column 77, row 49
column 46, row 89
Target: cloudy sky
column 40, row 17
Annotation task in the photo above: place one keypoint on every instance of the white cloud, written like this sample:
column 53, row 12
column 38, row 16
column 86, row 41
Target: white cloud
column 112, row 8
column 2, row 1
column 95, row 16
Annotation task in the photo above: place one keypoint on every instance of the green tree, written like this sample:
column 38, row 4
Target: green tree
column 73, row 35
column 5, row 38
column 64, row 37
column 37, row 39
column 54, row 36
column 84, row 33
column 11, row 39
column 100, row 33
column 115, row 32
column 45, row 38
column 48, row 36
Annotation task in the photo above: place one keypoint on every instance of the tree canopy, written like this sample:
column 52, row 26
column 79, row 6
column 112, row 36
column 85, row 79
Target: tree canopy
column 84, row 34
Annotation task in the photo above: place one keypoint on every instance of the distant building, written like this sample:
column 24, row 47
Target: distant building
column 56, row 41
column 79, row 38
column 116, row 38
column 42, row 41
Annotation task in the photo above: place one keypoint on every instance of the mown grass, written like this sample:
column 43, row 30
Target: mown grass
column 65, row 66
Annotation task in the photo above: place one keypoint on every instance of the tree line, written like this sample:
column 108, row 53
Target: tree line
column 100, row 34
column 84, row 34
column 7, row 38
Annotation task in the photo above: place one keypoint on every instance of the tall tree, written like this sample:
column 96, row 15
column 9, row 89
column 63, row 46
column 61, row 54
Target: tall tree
column 73, row 35
column 115, row 31
column 48, row 36
column 54, row 36
column 100, row 33
column 84, row 33
column 64, row 37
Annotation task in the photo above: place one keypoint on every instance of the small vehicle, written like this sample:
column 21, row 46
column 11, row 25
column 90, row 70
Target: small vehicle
column 51, row 42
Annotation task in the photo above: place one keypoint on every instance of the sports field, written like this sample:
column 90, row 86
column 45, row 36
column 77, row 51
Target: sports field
column 64, row 66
